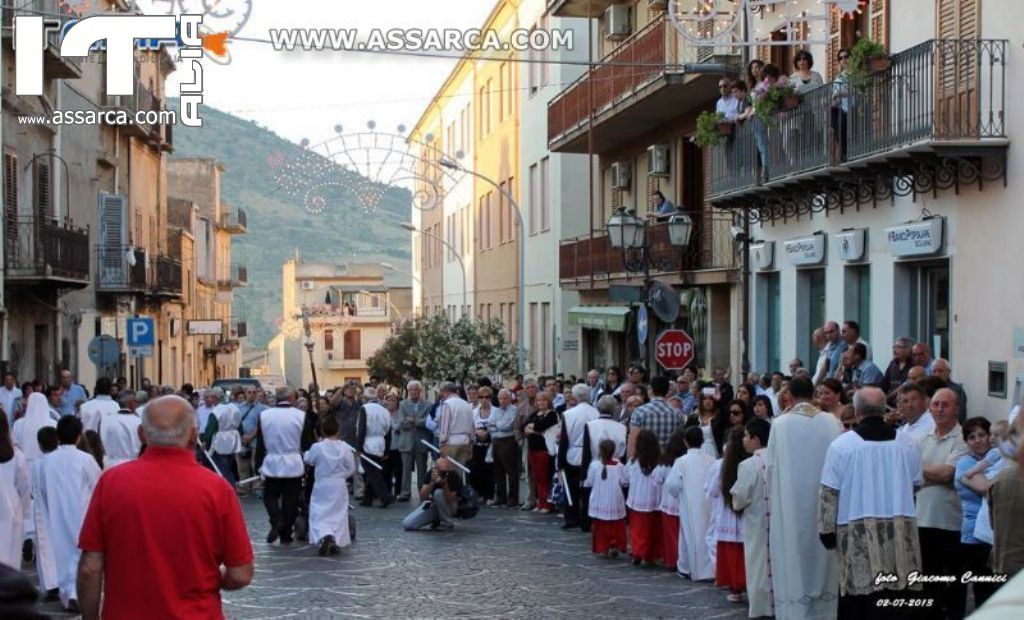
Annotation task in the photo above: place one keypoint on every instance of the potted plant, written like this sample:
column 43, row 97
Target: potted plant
column 869, row 57
column 711, row 127
column 778, row 97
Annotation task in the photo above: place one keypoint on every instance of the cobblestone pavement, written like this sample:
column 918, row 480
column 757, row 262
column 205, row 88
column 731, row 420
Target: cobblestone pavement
column 500, row 564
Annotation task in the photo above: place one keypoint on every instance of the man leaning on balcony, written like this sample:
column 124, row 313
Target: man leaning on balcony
column 662, row 208
column 727, row 105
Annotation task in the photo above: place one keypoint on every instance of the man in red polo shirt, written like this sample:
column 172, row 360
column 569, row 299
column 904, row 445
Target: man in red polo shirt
column 163, row 536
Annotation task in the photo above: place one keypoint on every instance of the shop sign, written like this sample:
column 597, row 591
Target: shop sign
column 850, row 245
column 806, row 250
column 915, row 238
column 763, row 255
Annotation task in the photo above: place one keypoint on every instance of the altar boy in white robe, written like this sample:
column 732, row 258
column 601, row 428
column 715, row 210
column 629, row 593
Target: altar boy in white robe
column 14, row 496
column 686, row 481
column 67, row 477
column 46, row 565
column 24, row 434
column 333, row 464
column 750, row 499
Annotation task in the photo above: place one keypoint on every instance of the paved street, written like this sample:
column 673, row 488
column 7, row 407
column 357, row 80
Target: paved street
column 500, row 564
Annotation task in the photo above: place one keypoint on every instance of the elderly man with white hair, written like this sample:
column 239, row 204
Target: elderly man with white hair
column 132, row 540
column 373, row 441
column 413, row 414
column 570, row 456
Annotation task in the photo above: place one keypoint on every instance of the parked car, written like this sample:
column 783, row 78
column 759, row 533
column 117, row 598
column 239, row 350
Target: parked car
column 230, row 386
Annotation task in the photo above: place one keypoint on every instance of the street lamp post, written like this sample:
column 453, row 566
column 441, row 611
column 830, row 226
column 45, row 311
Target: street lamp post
column 520, row 336
column 391, row 267
column 308, row 342
column 458, row 257
column 628, row 233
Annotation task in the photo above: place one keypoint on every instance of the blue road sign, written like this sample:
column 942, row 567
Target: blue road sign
column 141, row 337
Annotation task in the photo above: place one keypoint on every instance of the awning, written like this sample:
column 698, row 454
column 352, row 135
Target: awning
column 608, row 318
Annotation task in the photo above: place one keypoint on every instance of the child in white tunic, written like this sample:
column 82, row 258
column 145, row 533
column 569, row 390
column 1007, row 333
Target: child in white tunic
column 750, row 498
column 14, row 496
column 644, row 499
column 605, row 479
column 328, row 506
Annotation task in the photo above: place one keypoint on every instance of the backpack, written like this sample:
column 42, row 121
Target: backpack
column 469, row 502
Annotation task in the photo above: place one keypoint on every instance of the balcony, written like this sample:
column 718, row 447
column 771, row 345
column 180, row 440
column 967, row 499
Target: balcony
column 335, row 360
column 639, row 86
column 120, row 269
column 235, row 222
column 935, row 119
column 577, row 8
column 54, row 65
column 239, row 276
column 590, row 262
column 167, row 278
column 46, row 251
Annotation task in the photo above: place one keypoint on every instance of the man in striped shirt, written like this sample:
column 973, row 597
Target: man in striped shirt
column 455, row 424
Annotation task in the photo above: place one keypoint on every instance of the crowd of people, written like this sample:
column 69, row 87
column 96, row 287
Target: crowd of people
column 814, row 493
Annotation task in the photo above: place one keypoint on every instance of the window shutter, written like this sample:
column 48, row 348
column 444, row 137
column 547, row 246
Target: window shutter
column 946, row 16
column 10, row 191
column 352, row 345
column 112, row 220
column 43, row 187
column 835, row 20
column 879, row 21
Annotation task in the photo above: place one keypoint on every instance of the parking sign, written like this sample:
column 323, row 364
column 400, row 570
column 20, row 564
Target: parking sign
column 141, row 336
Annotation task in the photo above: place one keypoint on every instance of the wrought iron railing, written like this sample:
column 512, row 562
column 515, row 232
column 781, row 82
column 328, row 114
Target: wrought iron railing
column 940, row 90
column 646, row 55
column 45, row 248
column 239, row 274
column 167, row 274
column 120, row 268
column 235, row 219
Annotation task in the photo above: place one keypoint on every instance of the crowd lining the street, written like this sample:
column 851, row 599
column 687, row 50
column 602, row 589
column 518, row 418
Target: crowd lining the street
column 821, row 492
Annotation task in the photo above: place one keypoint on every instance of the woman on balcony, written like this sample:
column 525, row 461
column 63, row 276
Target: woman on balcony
column 803, row 126
column 803, row 78
column 841, row 102
column 770, row 76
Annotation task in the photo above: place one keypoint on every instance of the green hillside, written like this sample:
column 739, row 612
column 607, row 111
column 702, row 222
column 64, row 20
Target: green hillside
column 278, row 224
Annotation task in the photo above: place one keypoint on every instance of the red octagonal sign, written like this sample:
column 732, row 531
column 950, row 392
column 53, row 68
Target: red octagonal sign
column 673, row 349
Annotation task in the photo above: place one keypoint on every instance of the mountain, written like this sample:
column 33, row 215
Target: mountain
column 278, row 224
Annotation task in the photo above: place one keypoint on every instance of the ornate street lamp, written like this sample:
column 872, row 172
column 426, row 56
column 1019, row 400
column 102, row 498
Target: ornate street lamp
column 680, row 227
column 628, row 233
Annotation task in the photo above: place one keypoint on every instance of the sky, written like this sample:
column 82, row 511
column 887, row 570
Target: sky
column 306, row 94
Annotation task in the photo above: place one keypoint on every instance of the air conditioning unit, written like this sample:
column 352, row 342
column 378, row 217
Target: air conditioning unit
column 658, row 164
column 621, row 175
column 616, row 22
column 308, row 285
column 659, row 5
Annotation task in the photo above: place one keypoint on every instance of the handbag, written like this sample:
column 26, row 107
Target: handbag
column 469, row 502
column 489, row 457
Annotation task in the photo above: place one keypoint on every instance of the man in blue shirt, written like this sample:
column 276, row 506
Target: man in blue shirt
column 865, row 373
column 835, row 345
column 662, row 208
column 73, row 395
column 250, row 411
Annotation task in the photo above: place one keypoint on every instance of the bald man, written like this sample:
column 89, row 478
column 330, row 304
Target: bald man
column 134, row 547
column 942, row 370
column 866, row 507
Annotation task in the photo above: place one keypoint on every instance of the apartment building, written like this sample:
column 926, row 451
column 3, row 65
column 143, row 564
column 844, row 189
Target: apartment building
column 211, row 330
column 634, row 111
column 85, row 221
column 911, row 230
column 350, row 309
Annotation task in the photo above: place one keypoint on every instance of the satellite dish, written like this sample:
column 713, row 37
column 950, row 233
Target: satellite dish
column 664, row 301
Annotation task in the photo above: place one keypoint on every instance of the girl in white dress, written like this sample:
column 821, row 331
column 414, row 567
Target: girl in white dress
column 727, row 532
column 670, row 505
column 328, row 506
column 14, row 496
column 644, row 499
column 605, row 479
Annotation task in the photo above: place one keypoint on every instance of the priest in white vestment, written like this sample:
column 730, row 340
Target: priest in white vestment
column 805, row 579
column 686, row 482
column 67, row 477
column 333, row 463
column 14, row 497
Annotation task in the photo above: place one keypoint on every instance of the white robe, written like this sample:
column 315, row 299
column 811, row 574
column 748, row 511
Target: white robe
column 750, row 495
column 67, row 479
column 686, row 482
column 24, row 434
column 14, row 501
column 805, row 575
column 334, row 463
column 46, row 565
column 227, row 440
column 119, row 433
column 92, row 411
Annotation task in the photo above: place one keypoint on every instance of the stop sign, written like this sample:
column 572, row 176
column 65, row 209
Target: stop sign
column 673, row 349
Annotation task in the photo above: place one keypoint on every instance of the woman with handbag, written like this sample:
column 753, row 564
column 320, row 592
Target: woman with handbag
column 539, row 455
column 481, row 477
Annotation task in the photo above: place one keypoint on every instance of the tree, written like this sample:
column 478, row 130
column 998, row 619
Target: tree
column 434, row 349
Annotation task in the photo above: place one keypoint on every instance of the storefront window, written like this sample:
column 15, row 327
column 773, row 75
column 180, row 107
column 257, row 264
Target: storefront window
column 858, row 298
column 768, row 327
column 921, row 305
column 810, row 310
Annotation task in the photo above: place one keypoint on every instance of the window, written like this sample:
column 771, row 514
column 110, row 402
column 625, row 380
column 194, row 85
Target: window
column 509, row 326
column 510, row 218
column 534, row 347
column 545, row 337
column 501, row 213
column 545, row 77
column 488, row 107
column 767, row 321
column 503, row 85
column 510, row 89
column 858, row 298
column 437, row 244
column 352, row 345
column 535, row 191
column 43, row 209
column 328, row 340
column 545, row 194
column 487, row 220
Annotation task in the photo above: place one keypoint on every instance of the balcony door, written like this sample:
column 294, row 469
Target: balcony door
column 957, row 74
column 113, row 231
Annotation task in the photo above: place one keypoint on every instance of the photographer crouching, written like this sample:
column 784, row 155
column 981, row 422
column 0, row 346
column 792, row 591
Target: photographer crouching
column 439, row 500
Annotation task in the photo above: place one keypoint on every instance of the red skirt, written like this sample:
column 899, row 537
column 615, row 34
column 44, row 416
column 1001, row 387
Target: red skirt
column 645, row 535
column 607, row 535
column 729, row 570
column 669, row 540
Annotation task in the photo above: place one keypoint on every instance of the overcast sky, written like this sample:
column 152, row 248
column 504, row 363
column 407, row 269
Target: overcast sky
column 305, row 94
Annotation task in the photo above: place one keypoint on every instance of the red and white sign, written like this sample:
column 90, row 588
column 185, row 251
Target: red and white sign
column 673, row 349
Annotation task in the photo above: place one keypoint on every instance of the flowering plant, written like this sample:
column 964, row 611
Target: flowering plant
column 770, row 95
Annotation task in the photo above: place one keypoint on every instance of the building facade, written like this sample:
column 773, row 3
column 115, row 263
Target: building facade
column 350, row 309
column 902, row 217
